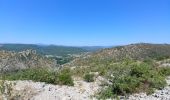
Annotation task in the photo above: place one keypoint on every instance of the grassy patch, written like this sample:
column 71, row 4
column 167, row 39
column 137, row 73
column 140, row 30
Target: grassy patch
column 89, row 77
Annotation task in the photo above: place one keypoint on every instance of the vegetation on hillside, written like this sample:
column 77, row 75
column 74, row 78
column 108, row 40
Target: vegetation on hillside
column 134, row 51
column 89, row 77
column 62, row 77
column 127, row 69
column 127, row 77
column 63, row 60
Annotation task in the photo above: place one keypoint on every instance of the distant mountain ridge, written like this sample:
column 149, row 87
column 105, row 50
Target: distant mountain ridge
column 94, row 48
column 43, row 49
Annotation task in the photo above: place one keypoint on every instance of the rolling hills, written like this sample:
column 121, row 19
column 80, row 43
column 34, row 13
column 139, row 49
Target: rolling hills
column 44, row 49
column 117, row 72
column 140, row 51
column 128, row 69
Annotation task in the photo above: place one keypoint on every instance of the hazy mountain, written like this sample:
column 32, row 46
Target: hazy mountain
column 94, row 48
column 43, row 49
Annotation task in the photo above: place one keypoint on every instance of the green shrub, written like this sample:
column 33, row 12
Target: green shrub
column 64, row 77
column 139, row 70
column 127, row 76
column 150, row 91
column 135, row 77
column 89, row 77
column 42, row 75
column 164, row 71
column 106, row 93
column 125, row 85
column 102, row 72
column 38, row 75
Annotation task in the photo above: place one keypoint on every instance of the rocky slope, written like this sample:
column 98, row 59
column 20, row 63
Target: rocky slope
column 13, row 61
column 139, row 51
column 136, row 51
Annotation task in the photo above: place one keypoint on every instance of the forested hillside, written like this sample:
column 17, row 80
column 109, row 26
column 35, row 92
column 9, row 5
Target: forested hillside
column 43, row 49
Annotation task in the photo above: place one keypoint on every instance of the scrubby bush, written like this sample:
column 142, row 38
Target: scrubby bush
column 89, row 77
column 149, row 91
column 125, row 85
column 106, row 93
column 42, row 75
column 164, row 71
column 135, row 77
column 65, row 78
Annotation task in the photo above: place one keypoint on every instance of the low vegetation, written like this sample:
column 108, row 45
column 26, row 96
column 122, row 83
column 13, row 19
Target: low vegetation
column 127, row 70
column 164, row 71
column 89, row 77
column 126, row 77
column 62, row 77
column 135, row 77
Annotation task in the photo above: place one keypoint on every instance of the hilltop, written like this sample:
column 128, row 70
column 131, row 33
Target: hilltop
column 140, row 51
column 136, row 51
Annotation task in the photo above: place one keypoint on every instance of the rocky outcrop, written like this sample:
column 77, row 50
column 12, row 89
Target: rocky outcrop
column 13, row 61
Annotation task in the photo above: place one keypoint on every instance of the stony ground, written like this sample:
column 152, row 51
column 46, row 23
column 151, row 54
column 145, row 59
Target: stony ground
column 29, row 90
column 41, row 91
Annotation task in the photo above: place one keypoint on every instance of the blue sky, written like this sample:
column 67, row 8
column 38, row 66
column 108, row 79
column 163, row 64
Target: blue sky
column 84, row 22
